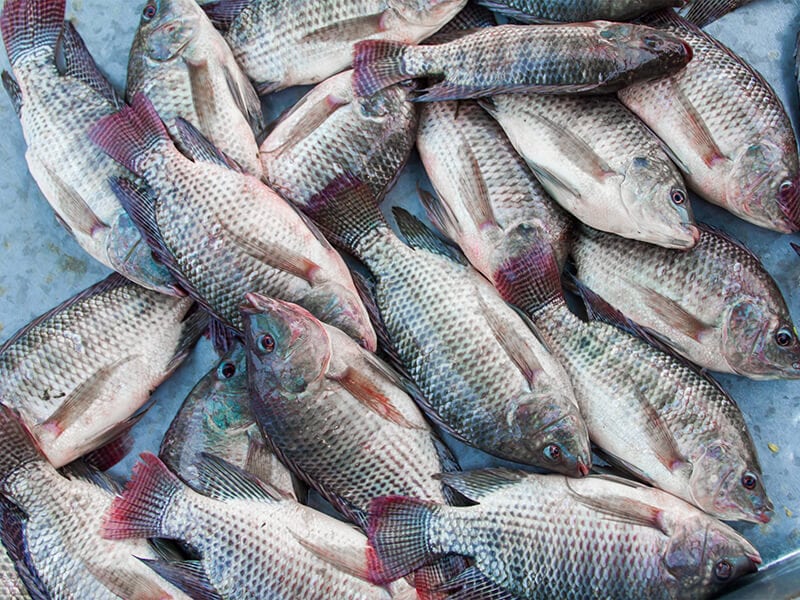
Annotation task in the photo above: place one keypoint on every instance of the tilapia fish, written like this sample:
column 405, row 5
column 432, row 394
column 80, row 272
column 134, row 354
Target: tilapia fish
column 557, row 59
column 281, row 43
column 330, row 131
column 53, row 531
column 575, row 11
column 726, row 129
column 12, row 586
column 80, row 372
column 223, row 233
column 482, row 373
column 183, row 65
column 215, row 418
column 252, row 543
column 57, row 107
column 716, row 304
column 600, row 163
column 531, row 536
column 486, row 187
column 703, row 12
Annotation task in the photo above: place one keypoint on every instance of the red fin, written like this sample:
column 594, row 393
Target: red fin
column 109, row 455
column 137, row 513
column 370, row 396
column 29, row 25
column 377, row 64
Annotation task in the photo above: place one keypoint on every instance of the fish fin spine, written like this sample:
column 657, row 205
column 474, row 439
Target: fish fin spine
column 31, row 27
column 377, row 64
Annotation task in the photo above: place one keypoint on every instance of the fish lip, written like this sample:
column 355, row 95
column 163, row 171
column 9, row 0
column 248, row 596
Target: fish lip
column 689, row 50
column 583, row 468
column 754, row 558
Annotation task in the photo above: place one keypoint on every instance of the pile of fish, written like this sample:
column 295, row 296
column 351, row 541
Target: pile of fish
column 561, row 145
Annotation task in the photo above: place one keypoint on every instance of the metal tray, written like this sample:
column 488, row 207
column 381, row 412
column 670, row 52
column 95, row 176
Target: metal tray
column 42, row 265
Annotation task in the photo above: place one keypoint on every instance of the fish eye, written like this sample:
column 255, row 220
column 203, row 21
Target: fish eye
column 784, row 336
column 723, row 570
column 678, row 197
column 552, row 453
column 786, row 186
column 149, row 11
column 749, row 481
column 651, row 42
column 266, row 343
column 226, row 370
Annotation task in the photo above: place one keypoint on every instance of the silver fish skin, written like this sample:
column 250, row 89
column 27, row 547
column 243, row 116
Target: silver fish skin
column 215, row 418
column 185, row 67
column 482, row 373
column 485, row 187
column 289, row 42
column 598, row 161
column 80, row 372
column 594, row 57
column 252, row 542
column 726, row 129
column 643, row 543
column 264, row 244
column 57, row 535
column 12, row 586
column 717, row 305
column 575, row 11
column 330, row 132
column 56, row 109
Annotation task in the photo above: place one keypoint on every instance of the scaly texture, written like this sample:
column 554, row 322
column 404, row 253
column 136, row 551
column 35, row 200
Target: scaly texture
column 575, row 11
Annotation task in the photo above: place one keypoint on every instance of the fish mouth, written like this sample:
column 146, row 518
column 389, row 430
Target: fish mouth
column 689, row 50
column 583, row 468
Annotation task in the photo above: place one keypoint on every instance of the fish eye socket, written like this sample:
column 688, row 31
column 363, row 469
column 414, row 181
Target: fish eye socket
column 266, row 343
column 749, row 481
column 723, row 570
column 678, row 197
column 552, row 453
column 784, row 337
column 226, row 370
column 651, row 42
column 786, row 186
column 149, row 11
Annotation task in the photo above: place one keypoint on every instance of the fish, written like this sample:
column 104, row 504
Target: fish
column 215, row 418
column 716, row 304
column 480, row 371
column 79, row 373
column 289, row 42
column 338, row 132
column 575, row 11
column 185, row 67
column 52, row 528
column 705, row 12
column 643, row 543
column 751, row 169
column 12, row 584
column 597, row 160
column 281, row 549
column 195, row 228
column 56, row 107
column 595, row 57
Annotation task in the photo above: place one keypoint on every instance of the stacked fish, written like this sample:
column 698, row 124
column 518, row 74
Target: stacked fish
column 349, row 346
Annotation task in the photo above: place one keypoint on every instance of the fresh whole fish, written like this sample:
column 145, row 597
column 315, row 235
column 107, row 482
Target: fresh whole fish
column 594, row 537
column 716, row 304
column 79, row 373
column 600, row 163
column 252, row 542
column 704, row 12
column 226, row 239
column 12, row 586
column 726, row 129
column 289, row 42
column 558, row 59
column 575, row 11
column 56, row 108
column 183, row 65
column 54, row 533
column 330, row 132
column 215, row 418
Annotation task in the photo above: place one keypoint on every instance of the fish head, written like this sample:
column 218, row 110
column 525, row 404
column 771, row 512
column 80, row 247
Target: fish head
column 759, row 339
column 341, row 307
column 228, row 381
column 645, row 51
column 729, row 485
column 764, row 182
column 287, row 347
column 656, row 199
column 166, row 27
column 426, row 13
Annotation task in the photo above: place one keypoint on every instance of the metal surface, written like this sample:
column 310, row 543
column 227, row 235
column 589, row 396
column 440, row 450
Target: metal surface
column 41, row 266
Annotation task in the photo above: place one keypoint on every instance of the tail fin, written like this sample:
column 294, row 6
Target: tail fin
column 377, row 64
column 138, row 512
column 17, row 445
column 528, row 277
column 31, row 27
column 398, row 537
column 131, row 134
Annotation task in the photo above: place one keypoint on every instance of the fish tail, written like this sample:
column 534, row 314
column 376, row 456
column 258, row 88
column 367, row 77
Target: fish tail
column 528, row 276
column 398, row 537
column 31, row 27
column 131, row 134
column 139, row 511
column 377, row 64
column 17, row 446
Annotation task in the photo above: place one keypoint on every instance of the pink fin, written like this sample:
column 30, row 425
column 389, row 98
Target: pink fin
column 371, row 397
column 112, row 453
column 28, row 25
column 377, row 64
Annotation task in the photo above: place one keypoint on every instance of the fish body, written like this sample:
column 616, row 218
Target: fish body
column 726, row 128
column 575, row 11
column 183, row 65
column 252, row 544
column 285, row 43
column 56, row 108
column 643, row 543
column 12, row 586
column 330, row 131
column 716, row 304
column 80, row 372
column 601, row 164
column 195, row 228
column 563, row 59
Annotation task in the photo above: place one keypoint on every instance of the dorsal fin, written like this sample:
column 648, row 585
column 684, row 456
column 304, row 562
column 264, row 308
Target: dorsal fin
column 223, row 481
column 419, row 235
column 483, row 482
column 80, row 64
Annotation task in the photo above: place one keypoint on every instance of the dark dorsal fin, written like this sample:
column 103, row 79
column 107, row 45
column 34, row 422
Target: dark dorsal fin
column 78, row 63
column 419, row 235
